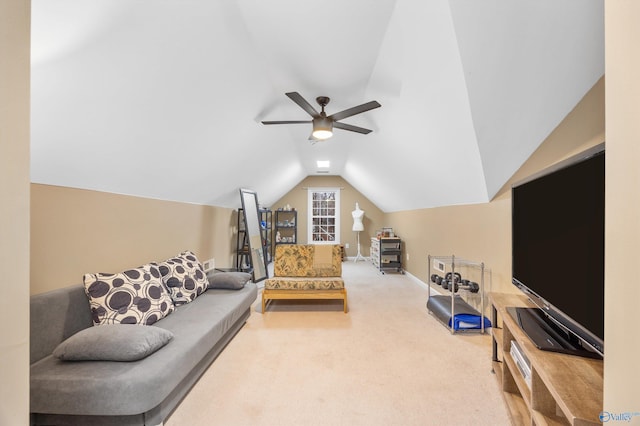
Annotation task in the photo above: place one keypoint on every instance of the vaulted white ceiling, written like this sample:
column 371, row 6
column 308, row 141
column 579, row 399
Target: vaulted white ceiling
column 164, row 98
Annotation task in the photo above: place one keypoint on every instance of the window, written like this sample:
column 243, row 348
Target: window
column 324, row 216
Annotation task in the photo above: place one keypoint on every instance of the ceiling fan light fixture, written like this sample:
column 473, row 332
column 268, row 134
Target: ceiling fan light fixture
column 322, row 128
column 322, row 124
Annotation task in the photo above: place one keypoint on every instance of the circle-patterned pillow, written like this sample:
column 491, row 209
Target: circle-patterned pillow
column 135, row 296
column 184, row 277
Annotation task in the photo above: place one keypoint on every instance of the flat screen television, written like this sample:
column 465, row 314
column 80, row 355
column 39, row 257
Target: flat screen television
column 558, row 254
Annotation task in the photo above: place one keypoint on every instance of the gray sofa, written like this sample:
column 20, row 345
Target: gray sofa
column 142, row 392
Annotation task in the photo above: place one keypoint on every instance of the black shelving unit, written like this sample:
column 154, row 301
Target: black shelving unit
column 243, row 260
column 266, row 230
column 389, row 254
column 286, row 223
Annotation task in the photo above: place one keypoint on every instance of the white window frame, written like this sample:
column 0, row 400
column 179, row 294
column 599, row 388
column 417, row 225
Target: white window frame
column 311, row 216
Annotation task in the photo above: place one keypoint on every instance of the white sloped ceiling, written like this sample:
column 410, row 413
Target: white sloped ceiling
column 164, row 98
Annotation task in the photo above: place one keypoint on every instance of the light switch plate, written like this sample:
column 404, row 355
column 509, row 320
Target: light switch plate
column 209, row 264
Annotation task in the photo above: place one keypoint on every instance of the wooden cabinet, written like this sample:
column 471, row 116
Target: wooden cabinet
column 563, row 389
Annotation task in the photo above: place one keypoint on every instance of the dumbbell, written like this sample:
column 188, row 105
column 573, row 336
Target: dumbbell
column 471, row 286
column 457, row 275
column 435, row 278
column 449, row 284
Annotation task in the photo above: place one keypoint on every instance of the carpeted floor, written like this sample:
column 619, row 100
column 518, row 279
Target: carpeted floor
column 386, row 362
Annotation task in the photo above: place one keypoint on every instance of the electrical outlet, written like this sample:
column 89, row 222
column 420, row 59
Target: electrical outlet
column 346, row 245
column 407, row 257
column 209, row 264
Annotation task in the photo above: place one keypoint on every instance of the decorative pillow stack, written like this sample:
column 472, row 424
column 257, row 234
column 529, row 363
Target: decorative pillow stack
column 136, row 296
column 184, row 277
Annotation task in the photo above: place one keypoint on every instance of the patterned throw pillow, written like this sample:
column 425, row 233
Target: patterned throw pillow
column 184, row 277
column 136, row 296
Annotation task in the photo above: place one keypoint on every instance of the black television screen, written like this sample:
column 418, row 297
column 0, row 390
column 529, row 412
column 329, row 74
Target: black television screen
column 558, row 252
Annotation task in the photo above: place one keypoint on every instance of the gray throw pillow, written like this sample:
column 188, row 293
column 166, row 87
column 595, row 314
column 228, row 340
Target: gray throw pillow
column 113, row 342
column 228, row 280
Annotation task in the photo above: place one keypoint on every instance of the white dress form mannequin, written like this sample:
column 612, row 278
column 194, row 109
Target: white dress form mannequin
column 358, row 226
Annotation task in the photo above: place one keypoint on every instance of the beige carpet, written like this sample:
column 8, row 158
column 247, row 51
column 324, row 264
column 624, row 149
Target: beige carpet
column 386, row 362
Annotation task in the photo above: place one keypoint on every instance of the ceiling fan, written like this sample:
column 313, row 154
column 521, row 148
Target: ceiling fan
column 323, row 125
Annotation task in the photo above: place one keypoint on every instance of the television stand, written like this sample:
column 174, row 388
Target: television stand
column 546, row 334
column 563, row 389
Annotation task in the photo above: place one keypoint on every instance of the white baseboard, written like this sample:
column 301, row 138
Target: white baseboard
column 422, row 283
column 352, row 258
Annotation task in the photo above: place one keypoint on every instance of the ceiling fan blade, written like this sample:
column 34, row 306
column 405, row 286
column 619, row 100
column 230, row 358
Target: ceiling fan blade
column 297, row 98
column 355, row 110
column 343, row 126
column 286, row 122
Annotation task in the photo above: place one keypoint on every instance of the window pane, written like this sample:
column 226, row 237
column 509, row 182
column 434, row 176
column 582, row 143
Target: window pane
column 324, row 215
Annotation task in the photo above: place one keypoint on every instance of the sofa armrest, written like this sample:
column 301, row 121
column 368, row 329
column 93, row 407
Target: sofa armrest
column 55, row 316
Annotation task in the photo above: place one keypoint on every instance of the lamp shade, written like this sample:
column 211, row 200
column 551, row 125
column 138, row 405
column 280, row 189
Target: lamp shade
column 322, row 128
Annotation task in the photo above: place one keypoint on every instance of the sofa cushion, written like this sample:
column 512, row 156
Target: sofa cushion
column 113, row 342
column 228, row 280
column 295, row 283
column 300, row 260
column 184, row 277
column 135, row 296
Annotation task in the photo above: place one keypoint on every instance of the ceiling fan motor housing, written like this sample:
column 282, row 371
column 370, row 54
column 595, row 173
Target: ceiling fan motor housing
column 323, row 101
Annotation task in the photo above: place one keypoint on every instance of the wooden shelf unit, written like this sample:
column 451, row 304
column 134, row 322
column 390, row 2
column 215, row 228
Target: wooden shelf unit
column 565, row 389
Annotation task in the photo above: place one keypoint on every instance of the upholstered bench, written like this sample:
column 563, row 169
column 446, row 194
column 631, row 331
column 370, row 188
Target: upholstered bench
column 306, row 271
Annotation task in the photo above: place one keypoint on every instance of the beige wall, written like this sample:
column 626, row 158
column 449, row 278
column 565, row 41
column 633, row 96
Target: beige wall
column 482, row 232
column 14, row 212
column 623, row 209
column 76, row 231
column 622, row 227
column 349, row 196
